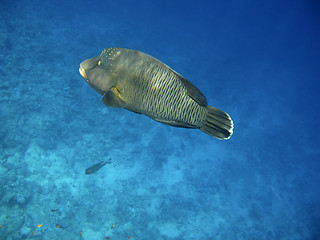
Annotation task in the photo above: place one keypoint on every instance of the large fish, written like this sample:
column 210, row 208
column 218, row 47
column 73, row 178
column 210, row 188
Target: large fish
column 142, row 84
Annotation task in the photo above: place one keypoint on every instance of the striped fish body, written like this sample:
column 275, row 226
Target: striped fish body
column 150, row 87
column 140, row 83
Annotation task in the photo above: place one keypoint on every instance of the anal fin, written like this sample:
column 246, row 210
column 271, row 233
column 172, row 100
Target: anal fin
column 175, row 123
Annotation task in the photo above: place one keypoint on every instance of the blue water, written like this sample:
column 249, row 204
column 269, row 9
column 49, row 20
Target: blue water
column 257, row 60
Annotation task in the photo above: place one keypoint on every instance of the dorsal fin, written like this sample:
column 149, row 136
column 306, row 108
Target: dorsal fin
column 193, row 91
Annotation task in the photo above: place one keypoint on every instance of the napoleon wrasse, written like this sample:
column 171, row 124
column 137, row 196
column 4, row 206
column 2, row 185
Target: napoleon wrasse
column 142, row 84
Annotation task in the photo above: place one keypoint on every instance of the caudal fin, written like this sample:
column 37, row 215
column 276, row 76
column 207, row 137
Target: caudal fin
column 218, row 124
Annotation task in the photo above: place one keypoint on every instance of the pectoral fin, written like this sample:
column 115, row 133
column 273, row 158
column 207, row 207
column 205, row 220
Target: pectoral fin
column 112, row 98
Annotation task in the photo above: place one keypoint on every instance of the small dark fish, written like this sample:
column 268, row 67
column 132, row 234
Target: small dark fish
column 58, row 226
column 96, row 167
column 54, row 210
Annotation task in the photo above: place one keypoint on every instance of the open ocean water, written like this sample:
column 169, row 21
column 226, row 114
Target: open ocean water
column 257, row 60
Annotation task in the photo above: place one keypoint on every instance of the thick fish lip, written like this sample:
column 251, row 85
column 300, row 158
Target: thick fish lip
column 83, row 73
column 88, row 65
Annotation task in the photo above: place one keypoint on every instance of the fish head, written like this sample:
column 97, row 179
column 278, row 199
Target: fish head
column 98, row 73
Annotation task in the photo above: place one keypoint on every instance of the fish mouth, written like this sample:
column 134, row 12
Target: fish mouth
column 83, row 73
